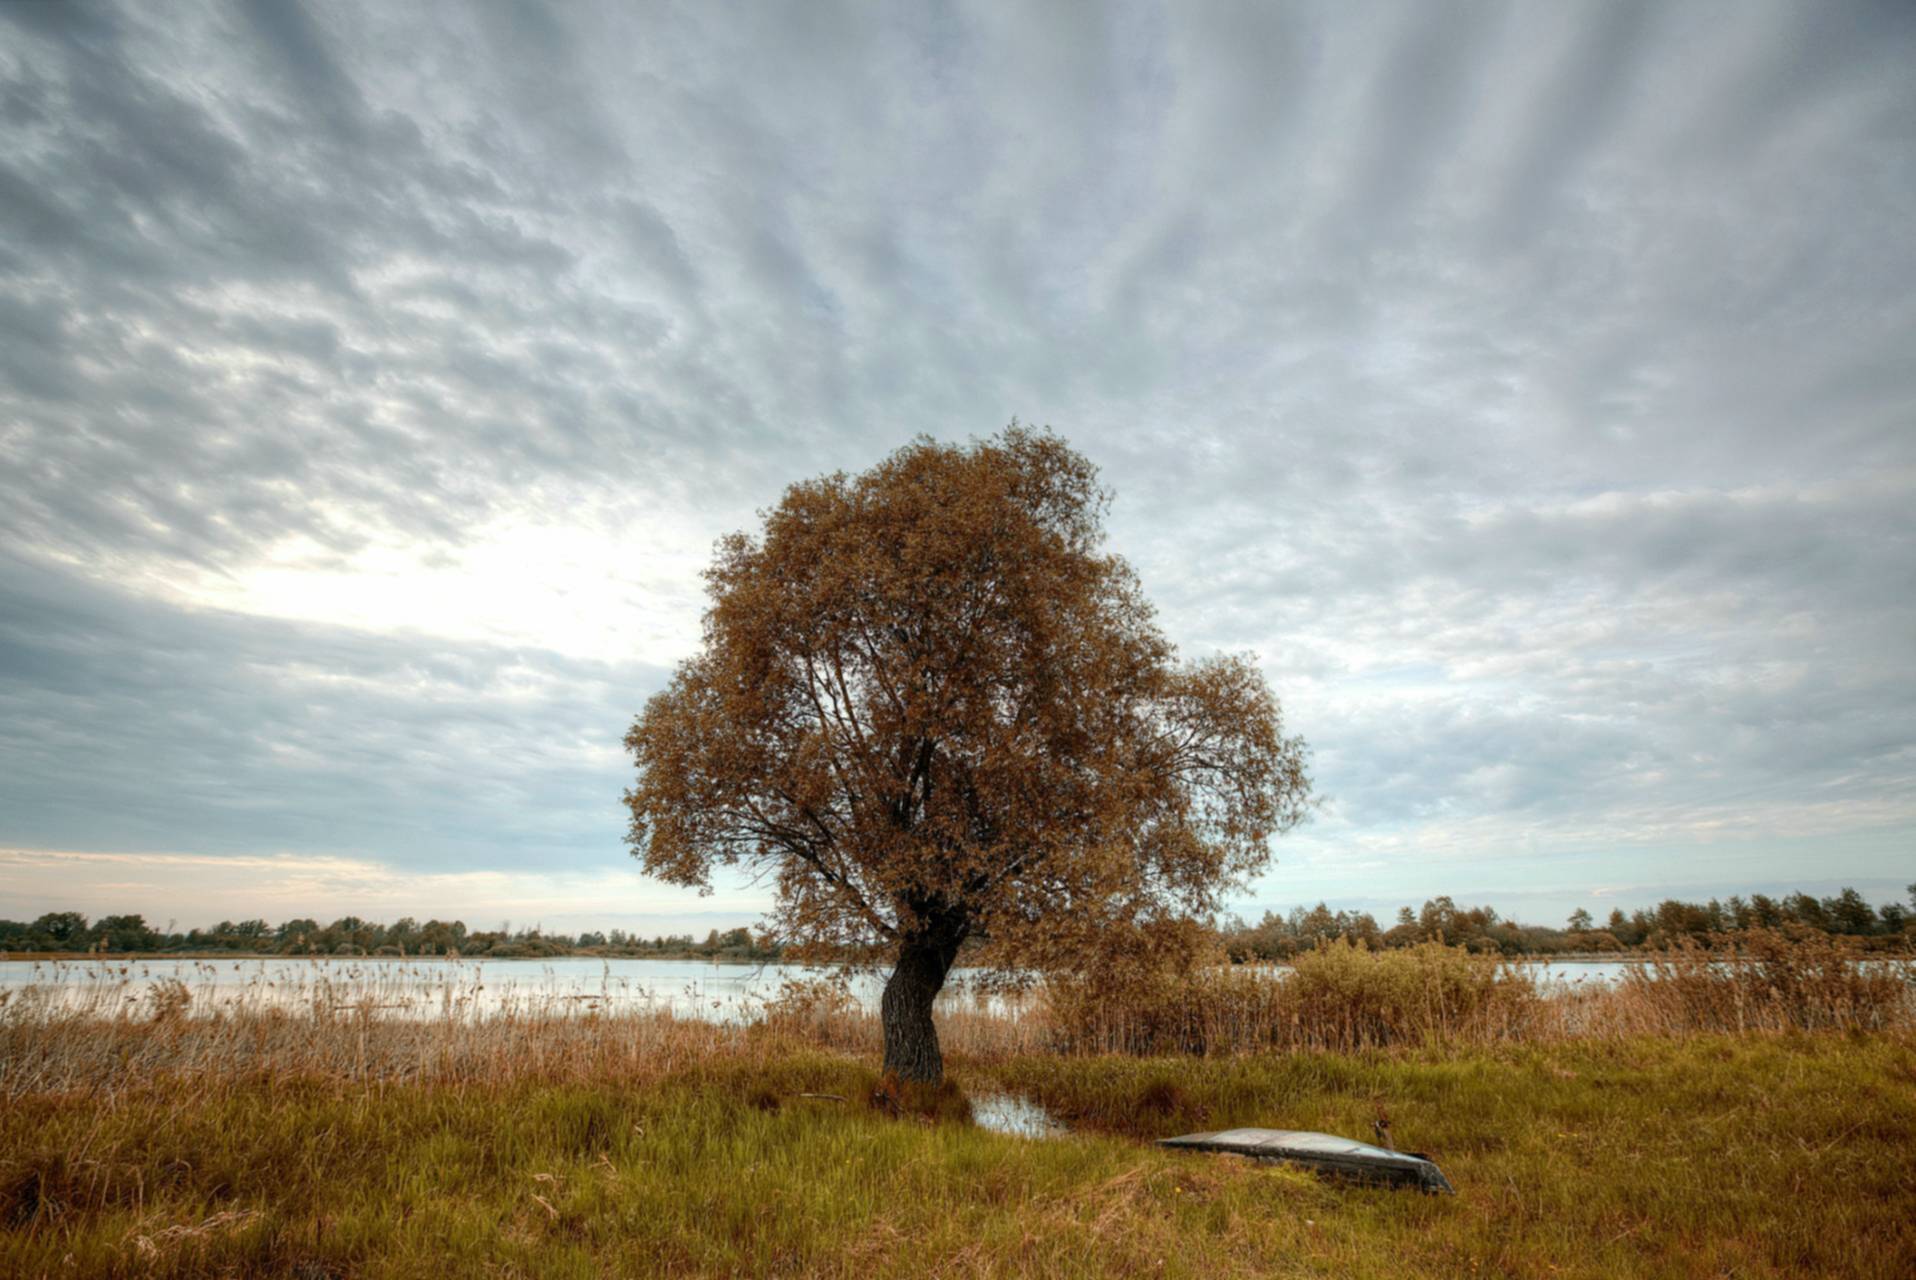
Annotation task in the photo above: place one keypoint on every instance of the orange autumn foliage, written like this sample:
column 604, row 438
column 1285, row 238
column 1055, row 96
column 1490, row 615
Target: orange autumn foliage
column 937, row 713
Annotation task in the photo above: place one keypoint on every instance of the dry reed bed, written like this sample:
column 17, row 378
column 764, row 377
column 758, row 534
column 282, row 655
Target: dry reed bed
column 1344, row 998
column 108, row 1038
column 1339, row 998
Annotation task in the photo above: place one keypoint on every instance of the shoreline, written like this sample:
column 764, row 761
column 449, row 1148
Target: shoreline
column 123, row 957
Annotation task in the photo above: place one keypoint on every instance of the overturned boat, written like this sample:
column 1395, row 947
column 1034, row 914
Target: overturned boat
column 1325, row 1153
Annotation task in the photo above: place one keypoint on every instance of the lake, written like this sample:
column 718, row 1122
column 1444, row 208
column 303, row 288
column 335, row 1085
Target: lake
column 431, row 986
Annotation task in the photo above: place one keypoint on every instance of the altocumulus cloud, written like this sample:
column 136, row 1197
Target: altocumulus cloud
column 1529, row 385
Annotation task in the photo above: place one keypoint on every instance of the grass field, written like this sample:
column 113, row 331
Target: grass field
column 1746, row 1115
column 1704, row 1156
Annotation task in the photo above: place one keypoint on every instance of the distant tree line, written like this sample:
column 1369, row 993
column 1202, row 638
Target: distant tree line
column 69, row 931
column 1847, row 913
column 1275, row 937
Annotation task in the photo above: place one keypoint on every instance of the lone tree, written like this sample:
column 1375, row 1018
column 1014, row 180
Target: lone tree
column 935, row 713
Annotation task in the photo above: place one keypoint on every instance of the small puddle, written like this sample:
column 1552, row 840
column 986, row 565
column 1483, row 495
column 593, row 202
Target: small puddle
column 1009, row 1113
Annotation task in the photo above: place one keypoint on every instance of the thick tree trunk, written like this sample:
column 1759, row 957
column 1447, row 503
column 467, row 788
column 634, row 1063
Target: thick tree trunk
column 911, row 1041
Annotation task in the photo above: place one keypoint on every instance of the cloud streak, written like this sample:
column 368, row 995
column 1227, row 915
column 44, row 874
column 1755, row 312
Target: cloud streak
column 1529, row 386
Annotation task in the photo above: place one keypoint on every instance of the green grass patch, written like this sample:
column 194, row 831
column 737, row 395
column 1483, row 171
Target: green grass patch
column 1705, row 1156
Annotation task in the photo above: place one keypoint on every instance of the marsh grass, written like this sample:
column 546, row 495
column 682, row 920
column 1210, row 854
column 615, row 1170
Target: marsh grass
column 1747, row 1114
column 52, row 1042
column 1764, row 981
column 1342, row 997
column 1339, row 997
column 1763, row 1156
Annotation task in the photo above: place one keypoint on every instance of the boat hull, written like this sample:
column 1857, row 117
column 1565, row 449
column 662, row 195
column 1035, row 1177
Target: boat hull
column 1323, row 1153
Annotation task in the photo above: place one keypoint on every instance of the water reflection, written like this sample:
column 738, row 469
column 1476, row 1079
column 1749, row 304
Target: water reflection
column 1009, row 1113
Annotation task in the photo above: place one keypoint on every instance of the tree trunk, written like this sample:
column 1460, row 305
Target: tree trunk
column 911, row 1041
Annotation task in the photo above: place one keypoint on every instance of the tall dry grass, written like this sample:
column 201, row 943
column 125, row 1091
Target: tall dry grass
column 1339, row 998
column 1344, row 998
column 388, row 1024
column 1761, row 980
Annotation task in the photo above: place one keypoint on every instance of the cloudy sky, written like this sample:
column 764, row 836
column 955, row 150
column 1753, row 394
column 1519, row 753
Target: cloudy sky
column 1532, row 387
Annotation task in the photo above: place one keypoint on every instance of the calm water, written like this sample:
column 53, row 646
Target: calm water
column 1015, row 1115
column 428, row 987
column 1572, row 973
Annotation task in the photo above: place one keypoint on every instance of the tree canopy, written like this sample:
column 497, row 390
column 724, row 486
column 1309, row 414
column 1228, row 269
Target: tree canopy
column 935, row 711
